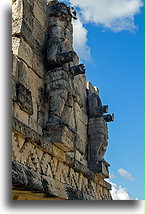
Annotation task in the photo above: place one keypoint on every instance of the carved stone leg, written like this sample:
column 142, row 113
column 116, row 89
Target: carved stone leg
column 68, row 109
column 57, row 100
column 57, row 129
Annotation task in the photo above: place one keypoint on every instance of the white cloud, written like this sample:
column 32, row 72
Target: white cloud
column 125, row 174
column 111, row 176
column 120, row 193
column 80, row 40
column 116, row 15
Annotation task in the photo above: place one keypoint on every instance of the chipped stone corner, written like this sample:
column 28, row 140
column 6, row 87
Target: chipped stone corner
column 59, row 129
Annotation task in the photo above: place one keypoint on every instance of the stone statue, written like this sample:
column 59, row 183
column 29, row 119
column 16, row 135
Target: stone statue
column 62, row 63
column 98, row 133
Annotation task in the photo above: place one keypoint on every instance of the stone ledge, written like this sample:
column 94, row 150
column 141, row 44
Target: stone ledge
column 34, row 137
column 31, row 135
column 27, row 179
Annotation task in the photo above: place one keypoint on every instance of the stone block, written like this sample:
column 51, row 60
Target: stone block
column 61, row 136
column 48, row 185
column 58, row 153
column 30, row 80
column 26, row 34
column 39, row 12
column 80, row 86
column 38, row 32
column 17, row 143
column 24, row 98
column 15, row 67
column 73, row 194
column 80, row 145
column 81, row 129
column 28, row 13
column 28, row 179
column 32, row 123
column 64, row 174
column 72, row 178
column 20, row 114
column 80, row 113
column 99, row 168
column 54, row 164
column 35, row 109
column 88, row 197
column 15, row 45
column 91, row 88
column 22, row 50
column 60, row 190
column 23, row 73
column 78, row 156
column 14, row 96
column 17, row 13
column 16, row 26
column 20, row 126
column 37, row 65
column 105, row 184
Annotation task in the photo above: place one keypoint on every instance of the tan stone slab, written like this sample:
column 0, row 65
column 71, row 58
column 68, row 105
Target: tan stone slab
column 58, row 153
column 39, row 13
column 20, row 114
column 22, row 50
column 38, row 31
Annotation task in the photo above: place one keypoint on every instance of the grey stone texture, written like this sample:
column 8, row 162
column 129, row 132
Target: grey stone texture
column 59, row 128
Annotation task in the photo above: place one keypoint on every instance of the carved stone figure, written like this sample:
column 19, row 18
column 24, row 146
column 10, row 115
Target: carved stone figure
column 62, row 67
column 98, row 134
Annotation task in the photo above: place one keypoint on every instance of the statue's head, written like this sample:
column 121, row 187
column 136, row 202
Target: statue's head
column 61, row 10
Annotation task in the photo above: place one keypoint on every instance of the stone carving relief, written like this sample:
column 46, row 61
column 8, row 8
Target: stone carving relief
column 98, row 134
column 62, row 66
column 53, row 170
column 60, row 133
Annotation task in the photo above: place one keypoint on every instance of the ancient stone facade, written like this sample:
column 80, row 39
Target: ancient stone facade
column 59, row 130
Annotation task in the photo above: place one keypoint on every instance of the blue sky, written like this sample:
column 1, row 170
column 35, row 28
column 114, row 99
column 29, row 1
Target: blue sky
column 112, row 49
column 118, row 72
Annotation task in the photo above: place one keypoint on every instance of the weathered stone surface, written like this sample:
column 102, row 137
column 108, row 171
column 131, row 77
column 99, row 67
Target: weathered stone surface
column 15, row 67
column 31, row 134
column 59, row 132
column 38, row 32
column 39, row 12
column 80, row 145
column 24, row 98
column 22, row 50
column 17, row 11
column 20, row 114
column 14, row 96
column 26, row 178
column 61, row 136
column 59, row 154
column 91, row 88
column 27, row 10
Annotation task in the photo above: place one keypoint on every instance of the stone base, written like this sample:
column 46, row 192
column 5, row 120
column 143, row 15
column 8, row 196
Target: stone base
column 61, row 135
column 99, row 167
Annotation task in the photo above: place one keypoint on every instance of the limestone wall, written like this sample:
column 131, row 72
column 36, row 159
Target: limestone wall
column 57, row 153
